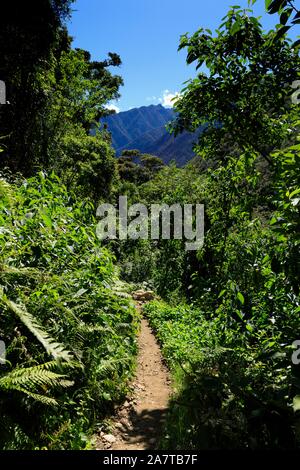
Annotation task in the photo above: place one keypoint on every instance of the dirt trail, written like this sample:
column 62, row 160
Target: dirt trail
column 139, row 421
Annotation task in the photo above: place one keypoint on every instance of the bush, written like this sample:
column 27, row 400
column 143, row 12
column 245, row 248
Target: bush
column 235, row 385
column 70, row 337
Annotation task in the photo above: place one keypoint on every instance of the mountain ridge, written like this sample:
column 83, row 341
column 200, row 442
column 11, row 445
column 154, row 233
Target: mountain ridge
column 144, row 129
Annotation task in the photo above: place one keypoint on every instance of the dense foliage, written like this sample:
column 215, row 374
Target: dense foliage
column 230, row 342
column 56, row 96
column 230, row 311
column 70, row 337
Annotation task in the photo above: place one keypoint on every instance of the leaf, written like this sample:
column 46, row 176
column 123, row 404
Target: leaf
column 293, row 193
column 296, row 403
column 281, row 32
column 240, row 297
column 222, row 293
column 80, row 293
column 55, row 349
column 106, row 396
column 49, row 401
column 240, row 314
column 32, row 379
column 46, row 219
column 275, row 6
column 295, row 201
column 235, row 27
column 285, row 15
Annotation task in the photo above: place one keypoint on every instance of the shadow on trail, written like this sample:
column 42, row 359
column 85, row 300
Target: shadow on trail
column 144, row 427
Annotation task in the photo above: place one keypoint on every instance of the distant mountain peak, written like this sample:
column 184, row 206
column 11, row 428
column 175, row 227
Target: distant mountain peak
column 144, row 129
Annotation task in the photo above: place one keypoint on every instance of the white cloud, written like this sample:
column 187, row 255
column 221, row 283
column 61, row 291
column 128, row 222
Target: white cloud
column 167, row 98
column 113, row 107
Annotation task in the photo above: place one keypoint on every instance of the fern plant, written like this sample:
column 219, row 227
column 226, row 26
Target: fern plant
column 34, row 380
column 60, row 318
column 41, row 378
column 55, row 349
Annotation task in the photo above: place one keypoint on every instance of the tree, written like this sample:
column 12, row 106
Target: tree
column 73, row 142
column 289, row 15
column 56, row 94
column 29, row 34
column 246, row 92
column 88, row 165
column 136, row 167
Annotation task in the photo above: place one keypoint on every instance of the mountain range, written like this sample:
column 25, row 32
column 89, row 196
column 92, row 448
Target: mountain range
column 144, row 129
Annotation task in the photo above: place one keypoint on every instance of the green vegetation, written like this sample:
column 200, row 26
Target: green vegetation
column 70, row 337
column 57, row 95
column 229, row 312
column 233, row 306
column 234, row 382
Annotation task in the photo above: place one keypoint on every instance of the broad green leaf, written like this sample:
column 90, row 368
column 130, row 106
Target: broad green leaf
column 222, row 293
column 276, row 5
column 240, row 297
column 285, row 15
column 267, row 4
column 296, row 403
column 47, row 220
column 235, row 27
column 293, row 193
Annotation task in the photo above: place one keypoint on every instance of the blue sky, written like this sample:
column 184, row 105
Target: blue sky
column 145, row 33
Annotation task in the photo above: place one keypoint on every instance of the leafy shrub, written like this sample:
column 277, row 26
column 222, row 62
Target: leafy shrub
column 70, row 337
column 235, row 385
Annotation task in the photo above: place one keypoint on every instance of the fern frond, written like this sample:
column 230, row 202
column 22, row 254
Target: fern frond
column 111, row 365
column 87, row 328
column 123, row 326
column 11, row 272
column 55, row 349
column 6, row 192
column 31, row 380
column 29, row 272
column 49, row 401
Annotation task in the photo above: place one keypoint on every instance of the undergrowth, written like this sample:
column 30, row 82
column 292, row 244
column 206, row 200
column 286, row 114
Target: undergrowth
column 70, row 336
column 233, row 388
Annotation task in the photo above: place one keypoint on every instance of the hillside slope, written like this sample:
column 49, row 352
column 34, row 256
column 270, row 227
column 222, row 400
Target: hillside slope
column 129, row 125
column 144, row 129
